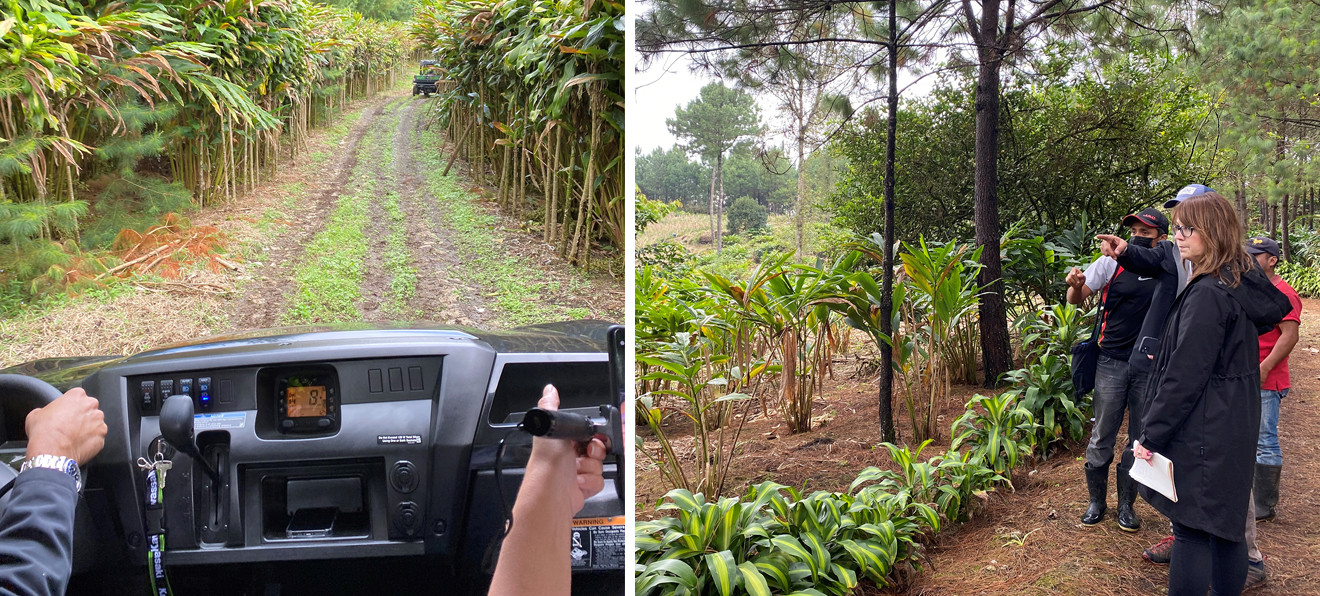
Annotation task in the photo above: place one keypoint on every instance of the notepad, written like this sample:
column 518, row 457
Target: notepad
column 1156, row 473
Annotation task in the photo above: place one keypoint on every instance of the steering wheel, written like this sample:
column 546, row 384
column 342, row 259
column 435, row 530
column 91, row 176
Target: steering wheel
column 20, row 394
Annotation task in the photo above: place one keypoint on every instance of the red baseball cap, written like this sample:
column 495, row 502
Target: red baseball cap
column 1149, row 216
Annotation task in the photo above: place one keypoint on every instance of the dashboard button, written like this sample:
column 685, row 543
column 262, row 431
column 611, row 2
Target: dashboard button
column 323, row 423
column 407, row 518
column 287, row 424
column 404, row 476
column 148, row 396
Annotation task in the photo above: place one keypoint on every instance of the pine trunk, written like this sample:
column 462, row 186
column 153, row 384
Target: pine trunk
column 995, row 349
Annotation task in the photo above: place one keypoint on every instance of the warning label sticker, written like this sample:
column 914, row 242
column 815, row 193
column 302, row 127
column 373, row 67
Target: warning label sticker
column 203, row 422
column 398, row 439
column 598, row 542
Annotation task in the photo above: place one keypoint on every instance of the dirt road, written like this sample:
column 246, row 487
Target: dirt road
column 360, row 227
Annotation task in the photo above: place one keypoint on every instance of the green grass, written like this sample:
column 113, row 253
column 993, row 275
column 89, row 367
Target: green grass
column 518, row 289
column 403, row 276
column 329, row 279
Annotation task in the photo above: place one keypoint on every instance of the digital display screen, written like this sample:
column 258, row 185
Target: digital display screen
column 305, row 402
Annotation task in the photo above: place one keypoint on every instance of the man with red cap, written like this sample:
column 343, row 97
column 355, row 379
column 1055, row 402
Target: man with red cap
column 1119, row 386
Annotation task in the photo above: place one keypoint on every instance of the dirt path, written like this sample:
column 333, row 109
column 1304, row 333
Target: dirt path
column 433, row 249
column 1030, row 542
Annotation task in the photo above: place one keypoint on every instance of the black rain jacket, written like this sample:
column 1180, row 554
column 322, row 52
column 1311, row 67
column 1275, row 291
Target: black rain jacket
column 1162, row 262
column 36, row 533
column 1203, row 406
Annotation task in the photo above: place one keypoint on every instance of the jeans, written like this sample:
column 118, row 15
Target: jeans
column 1267, row 445
column 1117, row 389
column 1201, row 560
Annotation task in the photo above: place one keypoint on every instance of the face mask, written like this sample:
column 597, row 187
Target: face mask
column 1142, row 241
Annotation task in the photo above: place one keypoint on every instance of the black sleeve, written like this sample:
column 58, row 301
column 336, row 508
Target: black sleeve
column 1147, row 261
column 36, row 534
column 1200, row 337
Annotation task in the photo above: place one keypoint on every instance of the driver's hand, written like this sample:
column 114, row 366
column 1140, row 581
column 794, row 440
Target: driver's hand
column 71, row 426
column 574, row 468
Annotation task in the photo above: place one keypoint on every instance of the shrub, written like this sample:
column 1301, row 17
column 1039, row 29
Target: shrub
column 1306, row 280
column 1000, row 432
column 649, row 211
column 668, row 257
column 746, row 214
column 769, row 540
column 1044, row 385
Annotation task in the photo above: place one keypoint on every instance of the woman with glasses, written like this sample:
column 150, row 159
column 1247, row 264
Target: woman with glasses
column 1203, row 408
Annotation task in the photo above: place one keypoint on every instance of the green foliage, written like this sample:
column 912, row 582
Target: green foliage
column 667, row 257
column 649, row 212
column 1304, row 279
column 746, row 214
column 668, row 175
column 710, row 125
column 1044, row 386
column 536, row 87
column 381, row 10
column 130, row 201
column 690, row 368
column 999, row 431
column 772, row 542
column 1036, row 261
column 937, row 338
column 1267, row 98
column 768, row 178
column 1105, row 142
column 135, row 106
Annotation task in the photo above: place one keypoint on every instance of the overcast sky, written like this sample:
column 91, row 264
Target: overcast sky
column 668, row 83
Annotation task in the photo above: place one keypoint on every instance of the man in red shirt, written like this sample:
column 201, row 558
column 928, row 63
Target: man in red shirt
column 1274, row 349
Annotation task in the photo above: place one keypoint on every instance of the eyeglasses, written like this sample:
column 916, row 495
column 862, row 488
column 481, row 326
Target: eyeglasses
column 1185, row 232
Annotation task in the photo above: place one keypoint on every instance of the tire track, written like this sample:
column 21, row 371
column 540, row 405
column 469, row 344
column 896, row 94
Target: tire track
column 441, row 295
column 267, row 294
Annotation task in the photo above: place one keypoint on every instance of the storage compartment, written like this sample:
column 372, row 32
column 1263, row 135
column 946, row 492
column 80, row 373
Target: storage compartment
column 317, row 502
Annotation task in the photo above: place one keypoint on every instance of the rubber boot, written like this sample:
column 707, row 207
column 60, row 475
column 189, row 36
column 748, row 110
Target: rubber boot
column 1127, row 494
column 1097, row 484
column 1266, row 491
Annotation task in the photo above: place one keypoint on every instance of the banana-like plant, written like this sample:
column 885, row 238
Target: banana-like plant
column 537, row 98
column 942, row 300
column 233, row 76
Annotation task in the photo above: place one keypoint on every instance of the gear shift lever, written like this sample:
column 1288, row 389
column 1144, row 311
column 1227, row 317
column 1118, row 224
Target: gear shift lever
column 176, row 425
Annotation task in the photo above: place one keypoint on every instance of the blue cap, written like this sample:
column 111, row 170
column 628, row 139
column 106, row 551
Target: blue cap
column 1187, row 192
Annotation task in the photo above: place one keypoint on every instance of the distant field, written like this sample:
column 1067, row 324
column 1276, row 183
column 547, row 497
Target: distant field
column 687, row 228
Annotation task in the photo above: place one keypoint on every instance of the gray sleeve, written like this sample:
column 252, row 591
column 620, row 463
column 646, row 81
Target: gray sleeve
column 36, row 534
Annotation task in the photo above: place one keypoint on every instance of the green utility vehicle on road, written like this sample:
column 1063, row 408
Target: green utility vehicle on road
column 424, row 82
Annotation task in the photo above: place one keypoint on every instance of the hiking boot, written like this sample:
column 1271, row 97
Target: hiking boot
column 1097, row 483
column 1256, row 576
column 1127, row 493
column 1160, row 553
column 1266, row 491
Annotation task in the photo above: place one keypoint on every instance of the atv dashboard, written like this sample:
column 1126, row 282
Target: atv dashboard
column 339, row 444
